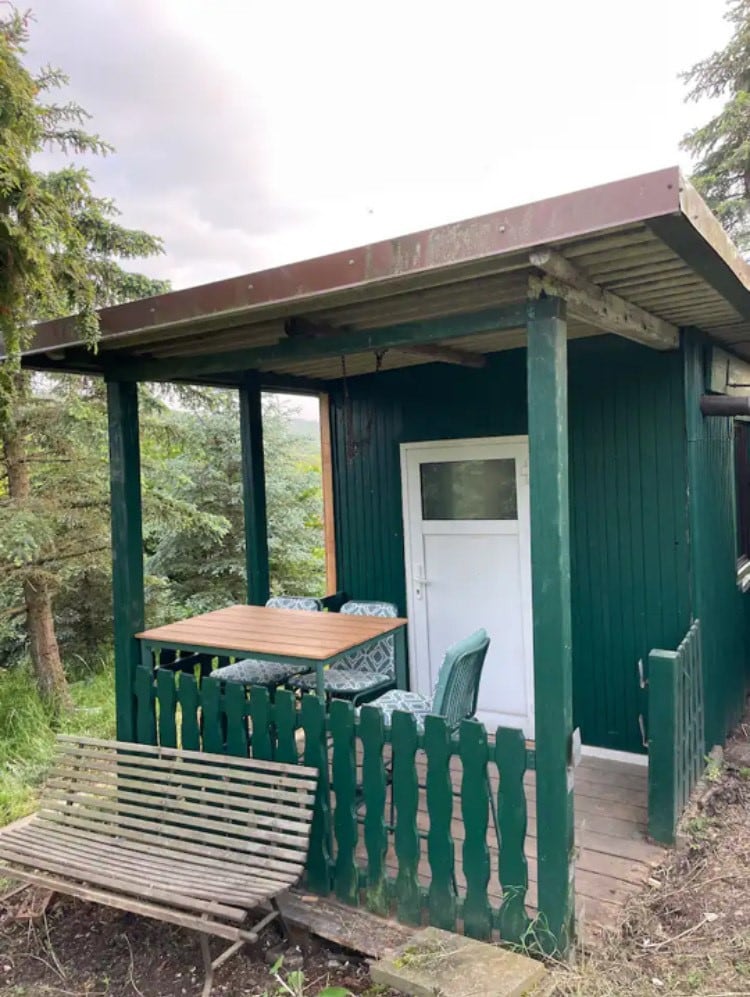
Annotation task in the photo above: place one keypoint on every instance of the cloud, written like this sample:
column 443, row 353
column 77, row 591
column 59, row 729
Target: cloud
column 252, row 133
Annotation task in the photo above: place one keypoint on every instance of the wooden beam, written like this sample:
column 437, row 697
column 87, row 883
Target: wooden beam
column 728, row 375
column 301, row 327
column 593, row 304
column 254, row 493
column 127, row 547
column 326, row 466
column 550, row 576
column 300, row 348
column 445, row 354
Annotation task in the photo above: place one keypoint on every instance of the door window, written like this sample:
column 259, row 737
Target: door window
column 469, row 489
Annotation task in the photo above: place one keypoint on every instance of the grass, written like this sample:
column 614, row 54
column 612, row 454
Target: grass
column 29, row 728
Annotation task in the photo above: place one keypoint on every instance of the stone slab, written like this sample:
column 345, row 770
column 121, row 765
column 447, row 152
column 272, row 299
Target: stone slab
column 437, row 963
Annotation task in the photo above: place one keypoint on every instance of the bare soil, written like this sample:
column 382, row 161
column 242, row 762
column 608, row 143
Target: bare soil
column 688, row 931
column 74, row 948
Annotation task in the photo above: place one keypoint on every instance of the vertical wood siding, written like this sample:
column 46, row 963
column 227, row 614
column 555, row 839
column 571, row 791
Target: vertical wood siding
column 722, row 609
column 628, row 500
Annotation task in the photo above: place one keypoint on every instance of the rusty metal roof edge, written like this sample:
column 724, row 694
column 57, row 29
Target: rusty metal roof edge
column 555, row 219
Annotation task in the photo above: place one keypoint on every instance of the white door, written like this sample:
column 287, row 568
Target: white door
column 468, row 565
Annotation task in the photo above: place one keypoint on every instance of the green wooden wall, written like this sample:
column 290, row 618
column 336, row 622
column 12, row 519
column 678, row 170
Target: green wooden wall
column 628, row 500
column 723, row 611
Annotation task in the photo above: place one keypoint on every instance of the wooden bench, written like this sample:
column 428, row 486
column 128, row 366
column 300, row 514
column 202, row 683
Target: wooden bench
column 193, row 839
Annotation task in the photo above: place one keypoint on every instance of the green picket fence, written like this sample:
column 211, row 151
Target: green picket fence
column 371, row 772
column 675, row 732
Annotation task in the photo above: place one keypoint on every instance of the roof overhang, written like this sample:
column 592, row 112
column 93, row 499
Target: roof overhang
column 646, row 247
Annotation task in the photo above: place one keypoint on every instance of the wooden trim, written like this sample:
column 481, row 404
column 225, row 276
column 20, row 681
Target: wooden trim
column 326, row 468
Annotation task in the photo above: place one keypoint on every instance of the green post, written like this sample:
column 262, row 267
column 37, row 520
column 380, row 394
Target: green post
column 127, row 547
column 550, row 574
column 254, row 493
column 663, row 667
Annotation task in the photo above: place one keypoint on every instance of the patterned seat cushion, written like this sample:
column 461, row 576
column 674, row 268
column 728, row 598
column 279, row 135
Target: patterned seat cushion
column 409, row 702
column 251, row 672
column 342, row 680
column 379, row 658
column 306, row 602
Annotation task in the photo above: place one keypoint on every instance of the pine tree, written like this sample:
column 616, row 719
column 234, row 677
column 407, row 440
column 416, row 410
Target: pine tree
column 722, row 145
column 60, row 253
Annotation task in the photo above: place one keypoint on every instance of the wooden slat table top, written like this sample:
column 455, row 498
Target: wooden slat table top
column 290, row 633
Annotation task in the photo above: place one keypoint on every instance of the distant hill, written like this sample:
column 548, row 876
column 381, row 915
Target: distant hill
column 308, row 428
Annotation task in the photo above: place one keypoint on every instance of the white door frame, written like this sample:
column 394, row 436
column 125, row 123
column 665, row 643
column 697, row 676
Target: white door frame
column 406, row 449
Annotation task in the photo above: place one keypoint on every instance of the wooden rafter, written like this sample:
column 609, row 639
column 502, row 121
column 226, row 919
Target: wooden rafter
column 307, row 329
column 597, row 306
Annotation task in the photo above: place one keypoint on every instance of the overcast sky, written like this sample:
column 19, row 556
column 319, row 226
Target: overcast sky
column 251, row 133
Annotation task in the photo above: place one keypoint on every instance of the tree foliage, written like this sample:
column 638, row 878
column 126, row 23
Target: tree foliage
column 60, row 245
column 722, row 145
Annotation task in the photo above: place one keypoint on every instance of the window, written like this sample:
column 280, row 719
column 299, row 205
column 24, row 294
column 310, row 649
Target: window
column 469, row 489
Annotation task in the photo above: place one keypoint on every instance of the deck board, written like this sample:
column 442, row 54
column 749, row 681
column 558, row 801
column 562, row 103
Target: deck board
column 614, row 859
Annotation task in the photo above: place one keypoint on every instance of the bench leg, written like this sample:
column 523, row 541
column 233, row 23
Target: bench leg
column 208, row 966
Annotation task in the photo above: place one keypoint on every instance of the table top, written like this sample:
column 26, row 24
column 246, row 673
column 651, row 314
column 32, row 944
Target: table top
column 289, row 633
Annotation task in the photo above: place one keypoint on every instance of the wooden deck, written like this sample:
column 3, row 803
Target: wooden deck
column 614, row 858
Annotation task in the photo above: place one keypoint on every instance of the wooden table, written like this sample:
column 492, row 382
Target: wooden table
column 288, row 636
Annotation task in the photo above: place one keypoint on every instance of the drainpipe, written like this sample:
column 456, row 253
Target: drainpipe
column 725, row 405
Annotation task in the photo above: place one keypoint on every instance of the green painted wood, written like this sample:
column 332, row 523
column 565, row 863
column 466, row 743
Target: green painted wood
column 127, row 547
column 285, row 721
column 374, row 788
column 145, row 732
column 254, row 493
column 723, row 610
column 304, row 348
column 316, row 754
column 189, row 700
column 166, row 694
column 510, row 759
column 212, row 718
column 624, row 400
column 475, row 804
column 405, row 791
column 675, row 732
column 235, row 705
column 344, row 783
column 260, row 723
column 662, row 735
column 441, row 896
column 550, row 577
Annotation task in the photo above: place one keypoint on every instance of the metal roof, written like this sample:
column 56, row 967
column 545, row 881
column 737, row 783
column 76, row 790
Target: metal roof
column 650, row 239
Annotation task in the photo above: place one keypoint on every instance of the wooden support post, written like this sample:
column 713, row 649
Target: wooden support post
column 550, row 572
column 254, row 493
column 127, row 547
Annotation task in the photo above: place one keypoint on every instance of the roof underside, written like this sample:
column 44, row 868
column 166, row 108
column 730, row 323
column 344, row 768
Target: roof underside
column 650, row 240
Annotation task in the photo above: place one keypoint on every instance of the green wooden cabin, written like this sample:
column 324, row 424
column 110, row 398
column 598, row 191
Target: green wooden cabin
column 513, row 415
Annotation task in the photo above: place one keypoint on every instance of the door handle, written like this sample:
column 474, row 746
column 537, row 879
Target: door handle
column 420, row 582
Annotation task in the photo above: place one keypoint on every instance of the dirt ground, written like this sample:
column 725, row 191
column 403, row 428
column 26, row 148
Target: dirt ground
column 76, row 949
column 688, row 932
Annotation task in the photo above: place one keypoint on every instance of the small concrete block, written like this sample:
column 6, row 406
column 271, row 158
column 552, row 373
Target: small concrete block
column 437, row 963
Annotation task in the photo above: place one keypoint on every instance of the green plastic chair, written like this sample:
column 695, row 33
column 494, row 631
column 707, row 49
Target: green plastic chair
column 457, row 690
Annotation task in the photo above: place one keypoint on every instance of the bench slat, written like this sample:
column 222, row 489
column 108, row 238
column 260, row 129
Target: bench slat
column 20, row 856
column 230, row 822
column 211, row 867
column 224, row 762
column 176, row 796
column 184, row 879
column 160, row 913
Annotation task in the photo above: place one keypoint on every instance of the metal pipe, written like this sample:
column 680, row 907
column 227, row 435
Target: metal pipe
column 726, row 405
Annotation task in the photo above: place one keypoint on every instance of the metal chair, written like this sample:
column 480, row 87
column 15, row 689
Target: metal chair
column 360, row 673
column 271, row 674
column 457, row 690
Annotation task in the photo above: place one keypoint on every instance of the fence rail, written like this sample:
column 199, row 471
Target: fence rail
column 371, row 844
column 675, row 732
